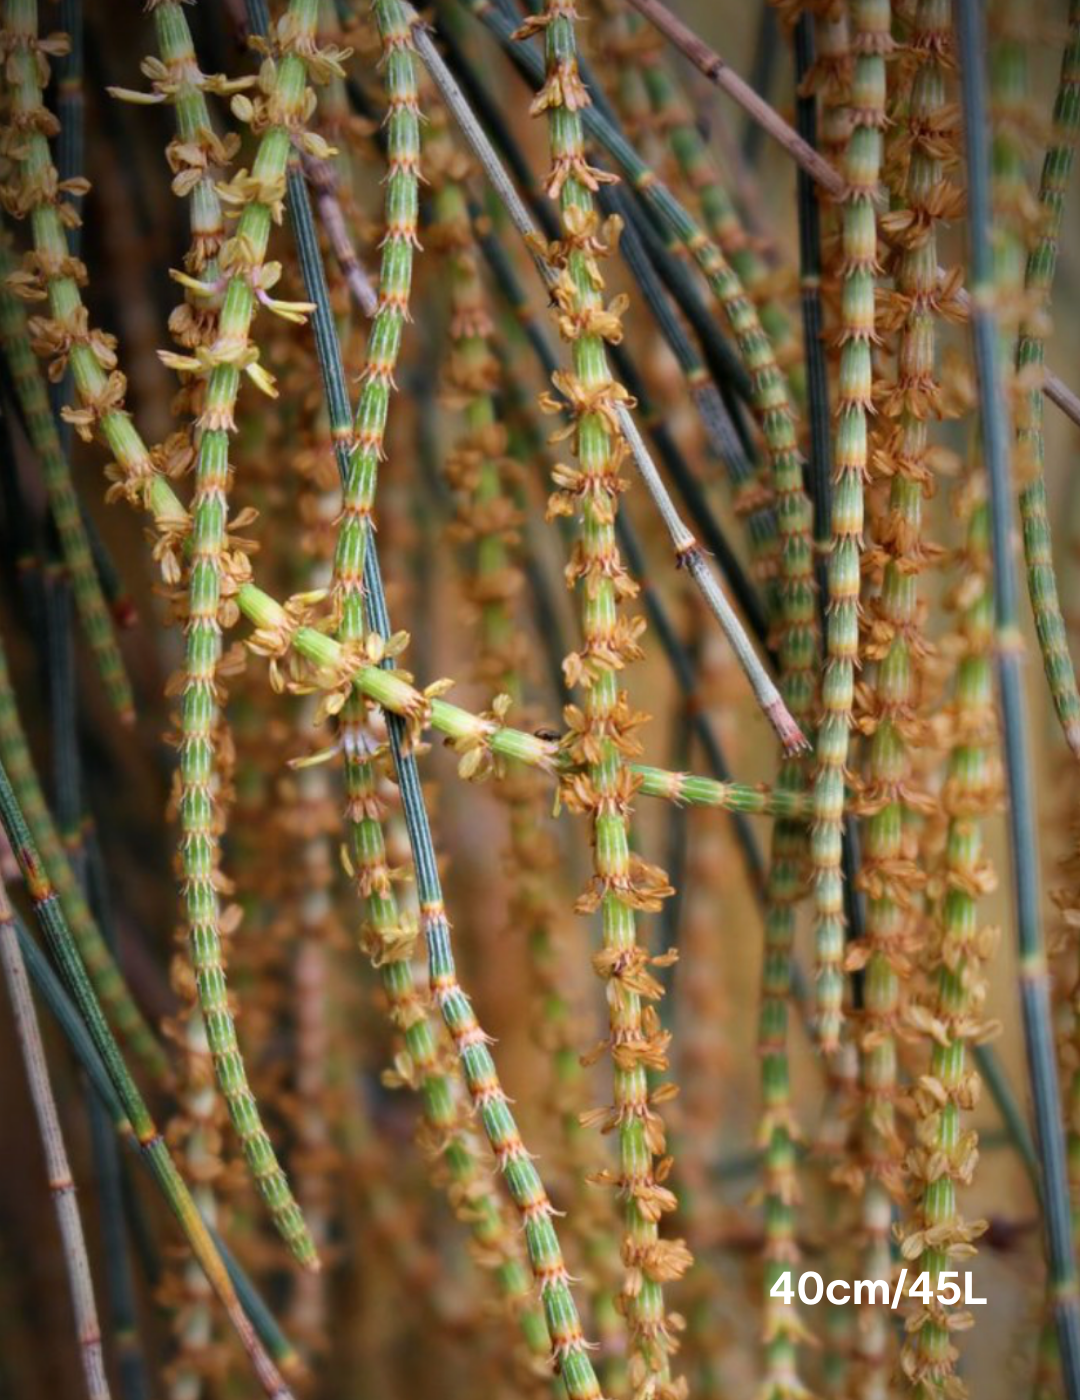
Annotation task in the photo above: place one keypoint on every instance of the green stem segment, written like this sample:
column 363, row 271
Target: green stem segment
column 768, row 385
column 602, row 740
column 1033, row 972
column 65, row 955
column 718, row 209
column 944, row 1155
column 870, row 41
column 241, row 258
column 390, row 936
column 101, row 387
column 1030, row 362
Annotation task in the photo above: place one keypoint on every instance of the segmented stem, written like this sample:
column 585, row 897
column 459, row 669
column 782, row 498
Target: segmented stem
column 767, row 384
column 65, row 336
column 718, row 210
column 389, row 935
column 1030, row 360
column 65, row 954
column 862, row 169
column 283, row 108
column 995, row 438
column 894, row 645
column 602, row 737
column 959, row 944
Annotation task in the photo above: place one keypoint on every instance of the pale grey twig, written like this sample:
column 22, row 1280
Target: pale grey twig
column 688, row 553
column 323, row 180
column 61, row 1184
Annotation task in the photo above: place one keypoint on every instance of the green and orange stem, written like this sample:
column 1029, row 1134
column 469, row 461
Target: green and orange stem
column 767, row 384
column 362, row 441
column 278, row 113
column 569, row 1350
column 197, row 158
column 996, row 444
column 960, row 942
column 65, row 336
column 894, row 646
column 602, row 737
column 686, row 549
column 870, row 41
column 482, row 473
column 716, row 70
column 276, row 629
column 49, row 913
column 1030, row 362
column 688, row 553
column 389, row 937
column 667, row 633
column 390, row 934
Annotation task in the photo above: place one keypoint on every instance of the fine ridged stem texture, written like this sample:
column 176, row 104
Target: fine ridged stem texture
column 526, row 1189
column 897, row 652
column 660, row 618
column 688, row 553
column 62, row 947
column 825, row 174
column 1034, row 977
column 1030, row 363
column 768, row 388
column 603, row 727
column 871, row 41
column 282, row 107
column 390, row 934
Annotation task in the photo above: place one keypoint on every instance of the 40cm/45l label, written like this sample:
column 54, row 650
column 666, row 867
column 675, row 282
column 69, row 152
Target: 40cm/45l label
column 924, row 1287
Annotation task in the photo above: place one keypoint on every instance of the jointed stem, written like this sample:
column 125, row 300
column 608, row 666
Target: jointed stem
column 241, row 260
column 713, row 66
column 50, row 915
column 604, row 725
column 1034, row 980
column 859, row 235
column 768, row 391
column 389, row 936
column 894, row 646
column 101, row 389
column 1030, row 357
